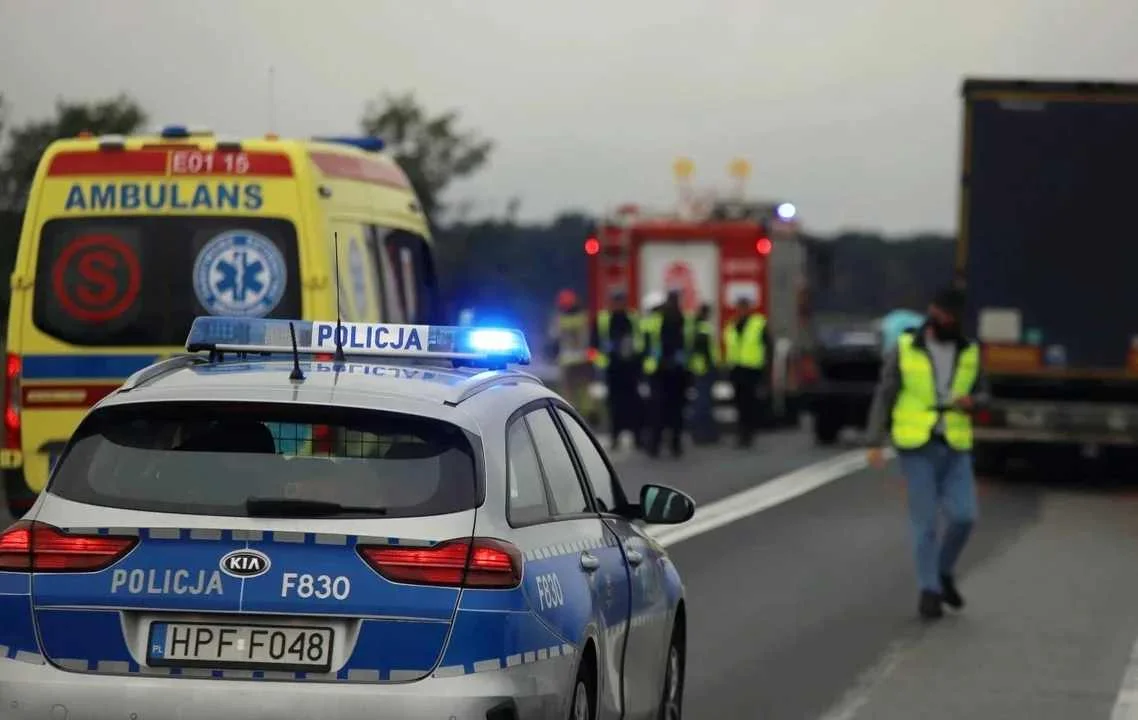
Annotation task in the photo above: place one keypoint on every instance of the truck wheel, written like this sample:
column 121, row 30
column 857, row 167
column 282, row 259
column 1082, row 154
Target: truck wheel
column 826, row 429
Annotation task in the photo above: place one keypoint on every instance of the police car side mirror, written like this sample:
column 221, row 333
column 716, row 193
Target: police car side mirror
column 662, row 505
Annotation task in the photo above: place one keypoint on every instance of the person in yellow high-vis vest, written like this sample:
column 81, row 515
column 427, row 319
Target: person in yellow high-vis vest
column 747, row 345
column 570, row 335
column 616, row 351
column 930, row 384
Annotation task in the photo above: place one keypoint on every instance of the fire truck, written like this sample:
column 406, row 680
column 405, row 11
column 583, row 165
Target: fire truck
column 725, row 250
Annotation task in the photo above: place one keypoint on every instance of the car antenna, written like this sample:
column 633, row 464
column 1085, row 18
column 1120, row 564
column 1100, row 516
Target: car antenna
column 339, row 356
column 297, row 373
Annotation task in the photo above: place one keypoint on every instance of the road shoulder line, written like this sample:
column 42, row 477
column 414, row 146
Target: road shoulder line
column 763, row 496
column 1126, row 704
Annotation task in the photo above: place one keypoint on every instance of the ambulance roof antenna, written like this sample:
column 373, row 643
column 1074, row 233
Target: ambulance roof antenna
column 272, row 99
column 339, row 356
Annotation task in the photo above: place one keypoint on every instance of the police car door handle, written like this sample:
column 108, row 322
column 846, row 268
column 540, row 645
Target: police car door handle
column 589, row 562
column 634, row 557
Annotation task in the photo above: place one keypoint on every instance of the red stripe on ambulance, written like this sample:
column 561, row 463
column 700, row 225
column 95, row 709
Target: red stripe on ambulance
column 344, row 167
column 179, row 163
column 109, row 162
column 66, row 396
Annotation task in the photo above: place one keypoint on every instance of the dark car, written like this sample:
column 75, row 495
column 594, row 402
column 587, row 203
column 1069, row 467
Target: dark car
column 844, row 365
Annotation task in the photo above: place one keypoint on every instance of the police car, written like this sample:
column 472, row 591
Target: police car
column 268, row 527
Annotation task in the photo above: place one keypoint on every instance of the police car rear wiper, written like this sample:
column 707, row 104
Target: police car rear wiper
column 288, row 507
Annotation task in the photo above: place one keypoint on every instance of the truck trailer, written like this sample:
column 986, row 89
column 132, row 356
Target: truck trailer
column 1046, row 253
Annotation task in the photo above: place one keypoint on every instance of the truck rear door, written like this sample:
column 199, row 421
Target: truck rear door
column 1049, row 215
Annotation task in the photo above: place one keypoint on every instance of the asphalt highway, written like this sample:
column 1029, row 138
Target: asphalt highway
column 807, row 609
column 802, row 602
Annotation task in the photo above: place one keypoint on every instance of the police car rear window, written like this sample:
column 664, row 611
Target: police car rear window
column 142, row 280
column 209, row 458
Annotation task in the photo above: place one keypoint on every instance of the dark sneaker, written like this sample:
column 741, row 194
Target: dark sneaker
column 930, row 605
column 949, row 593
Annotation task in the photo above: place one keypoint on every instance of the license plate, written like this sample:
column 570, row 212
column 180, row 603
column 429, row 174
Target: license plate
column 221, row 645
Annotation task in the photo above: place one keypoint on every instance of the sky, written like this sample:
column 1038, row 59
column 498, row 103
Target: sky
column 849, row 109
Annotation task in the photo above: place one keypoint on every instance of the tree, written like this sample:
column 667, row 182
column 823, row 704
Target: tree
column 119, row 115
column 432, row 150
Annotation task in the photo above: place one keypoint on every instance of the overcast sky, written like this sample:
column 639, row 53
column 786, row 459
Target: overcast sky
column 849, row 108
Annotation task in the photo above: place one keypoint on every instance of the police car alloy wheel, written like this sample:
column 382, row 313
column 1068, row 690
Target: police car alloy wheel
column 582, row 701
column 671, row 706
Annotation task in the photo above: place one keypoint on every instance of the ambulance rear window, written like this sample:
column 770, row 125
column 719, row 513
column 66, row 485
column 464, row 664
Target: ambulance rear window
column 141, row 280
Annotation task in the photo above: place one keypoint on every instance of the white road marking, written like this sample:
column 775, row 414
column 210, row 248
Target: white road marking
column 1126, row 704
column 762, row 497
column 857, row 696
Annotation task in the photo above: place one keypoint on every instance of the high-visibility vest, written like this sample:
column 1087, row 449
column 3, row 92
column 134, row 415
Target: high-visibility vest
column 914, row 412
column 573, row 338
column 746, row 349
column 604, row 319
column 699, row 363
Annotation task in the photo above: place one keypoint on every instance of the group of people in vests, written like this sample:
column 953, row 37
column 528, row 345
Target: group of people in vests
column 671, row 351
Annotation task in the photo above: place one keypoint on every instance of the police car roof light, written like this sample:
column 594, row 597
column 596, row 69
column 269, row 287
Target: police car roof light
column 367, row 143
column 175, row 131
column 474, row 345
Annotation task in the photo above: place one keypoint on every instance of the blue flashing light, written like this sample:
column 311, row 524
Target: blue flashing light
column 171, row 132
column 367, row 144
column 491, row 340
column 256, row 335
column 786, row 211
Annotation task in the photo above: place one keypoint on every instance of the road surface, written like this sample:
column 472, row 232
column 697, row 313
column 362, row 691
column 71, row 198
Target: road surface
column 806, row 609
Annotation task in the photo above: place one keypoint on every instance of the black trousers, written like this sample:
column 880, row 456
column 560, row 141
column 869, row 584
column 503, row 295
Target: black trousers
column 669, row 387
column 745, row 384
column 622, row 381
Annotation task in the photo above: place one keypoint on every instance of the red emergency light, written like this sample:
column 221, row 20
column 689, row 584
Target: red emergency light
column 763, row 246
column 592, row 246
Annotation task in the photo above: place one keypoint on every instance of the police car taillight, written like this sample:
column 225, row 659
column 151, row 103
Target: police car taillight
column 38, row 547
column 492, row 563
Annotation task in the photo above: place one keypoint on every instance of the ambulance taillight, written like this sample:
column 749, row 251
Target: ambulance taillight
column 13, row 372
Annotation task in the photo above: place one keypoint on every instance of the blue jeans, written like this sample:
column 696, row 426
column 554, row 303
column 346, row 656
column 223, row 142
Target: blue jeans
column 939, row 478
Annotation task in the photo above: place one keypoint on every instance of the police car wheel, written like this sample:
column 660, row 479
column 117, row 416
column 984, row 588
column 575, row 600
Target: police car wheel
column 672, row 703
column 583, row 702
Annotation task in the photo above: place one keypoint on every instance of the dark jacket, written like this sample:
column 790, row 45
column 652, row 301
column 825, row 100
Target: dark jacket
column 673, row 338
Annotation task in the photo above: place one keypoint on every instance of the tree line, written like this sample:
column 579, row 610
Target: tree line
column 496, row 262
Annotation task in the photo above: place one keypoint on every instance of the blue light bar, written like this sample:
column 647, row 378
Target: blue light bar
column 256, row 335
column 367, row 144
column 175, row 131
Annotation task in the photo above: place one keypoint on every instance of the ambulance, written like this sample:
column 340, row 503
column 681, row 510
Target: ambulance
column 715, row 254
column 126, row 239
